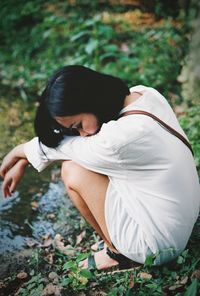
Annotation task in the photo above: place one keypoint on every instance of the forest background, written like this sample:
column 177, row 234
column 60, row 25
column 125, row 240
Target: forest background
column 154, row 43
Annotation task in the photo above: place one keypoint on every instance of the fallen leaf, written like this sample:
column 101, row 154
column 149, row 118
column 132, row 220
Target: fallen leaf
column 51, row 216
column 2, row 285
column 47, row 243
column 51, row 289
column 49, row 258
column 34, row 205
column 184, row 280
column 53, row 277
column 83, row 280
column 46, row 236
column 80, row 237
column 59, row 245
column 196, row 274
column 174, row 287
column 31, row 243
column 22, row 275
column 145, row 275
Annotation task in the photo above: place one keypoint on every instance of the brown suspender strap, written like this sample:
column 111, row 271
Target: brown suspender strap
column 169, row 128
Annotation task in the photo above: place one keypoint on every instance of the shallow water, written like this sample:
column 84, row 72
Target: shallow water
column 23, row 217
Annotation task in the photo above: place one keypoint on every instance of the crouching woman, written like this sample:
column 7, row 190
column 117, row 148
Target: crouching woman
column 127, row 164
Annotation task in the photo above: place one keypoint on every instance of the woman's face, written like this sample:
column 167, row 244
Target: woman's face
column 85, row 123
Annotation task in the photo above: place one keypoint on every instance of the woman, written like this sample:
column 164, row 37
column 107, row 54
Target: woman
column 132, row 180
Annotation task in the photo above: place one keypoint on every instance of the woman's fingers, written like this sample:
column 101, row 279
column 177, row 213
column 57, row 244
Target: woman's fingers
column 6, row 187
column 12, row 186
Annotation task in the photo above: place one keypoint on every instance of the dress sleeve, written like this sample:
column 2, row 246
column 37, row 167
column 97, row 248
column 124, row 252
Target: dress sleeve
column 97, row 153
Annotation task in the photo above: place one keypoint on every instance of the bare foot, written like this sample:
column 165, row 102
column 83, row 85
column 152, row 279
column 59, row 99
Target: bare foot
column 102, row 260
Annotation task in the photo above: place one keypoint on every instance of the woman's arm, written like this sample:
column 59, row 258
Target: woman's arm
column 11, row 159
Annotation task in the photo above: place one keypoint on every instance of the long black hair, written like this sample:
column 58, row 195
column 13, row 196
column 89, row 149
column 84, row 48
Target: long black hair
column 73, row 90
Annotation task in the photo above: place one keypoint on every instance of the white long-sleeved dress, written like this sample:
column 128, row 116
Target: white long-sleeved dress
column 153, row 197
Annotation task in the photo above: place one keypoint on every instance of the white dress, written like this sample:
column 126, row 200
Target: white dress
column 153, row 197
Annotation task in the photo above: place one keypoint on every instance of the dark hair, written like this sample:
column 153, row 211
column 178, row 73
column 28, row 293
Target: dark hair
column 73, row 90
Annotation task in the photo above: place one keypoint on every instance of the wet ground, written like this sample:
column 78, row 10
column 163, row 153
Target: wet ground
column 29, row 216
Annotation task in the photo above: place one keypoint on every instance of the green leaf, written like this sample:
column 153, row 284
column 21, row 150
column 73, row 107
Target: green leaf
column 65, row 281
column 180, row 260
column 91, row 46
column 81, row 257
column 86, row 273
column 149, row 260
column 192, row 289
column 70, row 266
column 79, row 35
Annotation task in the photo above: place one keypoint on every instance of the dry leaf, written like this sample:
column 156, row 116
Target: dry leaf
column 31, row 243
column 2, row 285
column 53, row 277
column 34, row 205
column 47, row 243
column 51, row 289
column 145, row 275
column 66, row 250
column 22, row 275
column 80, row 237
column 175, row 287
column 46, row 236
column 196, row 274
column 184, row 280
column 83, row 280
column 51, row 216
column 49, row 258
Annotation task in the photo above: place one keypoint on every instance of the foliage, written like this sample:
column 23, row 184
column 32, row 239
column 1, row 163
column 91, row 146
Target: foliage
column 191, row 125
column 39, row 36
column 179, row 277
column 43, row 35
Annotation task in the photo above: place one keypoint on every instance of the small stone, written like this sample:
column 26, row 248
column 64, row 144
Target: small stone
column 22, row 275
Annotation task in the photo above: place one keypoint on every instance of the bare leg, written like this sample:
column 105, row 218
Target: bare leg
column 87, row 191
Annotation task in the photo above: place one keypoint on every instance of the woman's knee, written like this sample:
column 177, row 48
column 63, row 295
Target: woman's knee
column 70, row 173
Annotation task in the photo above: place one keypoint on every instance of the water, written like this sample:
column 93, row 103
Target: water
column 24, row 216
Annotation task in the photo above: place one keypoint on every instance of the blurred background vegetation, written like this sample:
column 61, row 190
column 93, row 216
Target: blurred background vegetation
column 142, row 42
